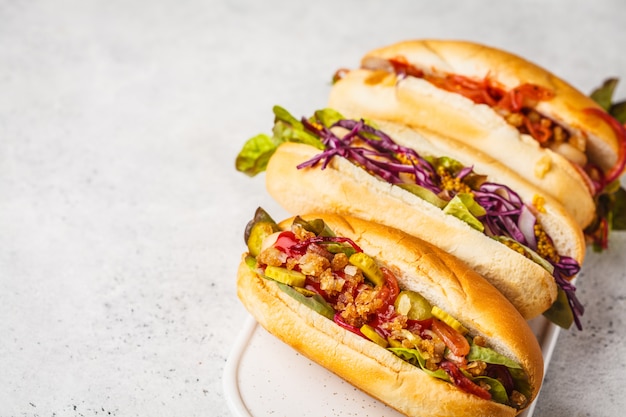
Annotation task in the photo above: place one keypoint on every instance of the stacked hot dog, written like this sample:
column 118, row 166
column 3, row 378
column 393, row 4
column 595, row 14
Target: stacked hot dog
column 446, row 195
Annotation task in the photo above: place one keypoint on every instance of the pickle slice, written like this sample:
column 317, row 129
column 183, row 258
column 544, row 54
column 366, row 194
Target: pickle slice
column 448, row 319
column 372, row 335
column 286, row 276
column 368, row 265
column 258, row 233
column 413, row 305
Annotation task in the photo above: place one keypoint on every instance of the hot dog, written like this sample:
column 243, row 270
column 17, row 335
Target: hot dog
column 394, row 316
column 499, row 103
column 521, row 241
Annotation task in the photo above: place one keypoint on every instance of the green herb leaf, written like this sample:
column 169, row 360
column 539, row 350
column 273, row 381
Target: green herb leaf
column 618, row 210
column 618, row 110
column 603, row 95
column 560, row 312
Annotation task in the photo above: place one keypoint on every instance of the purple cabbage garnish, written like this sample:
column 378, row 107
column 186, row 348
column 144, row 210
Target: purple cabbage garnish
column 506, row 214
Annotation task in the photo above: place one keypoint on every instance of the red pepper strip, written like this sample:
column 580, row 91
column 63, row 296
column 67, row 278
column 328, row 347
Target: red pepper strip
column 464, row 382
column 479, row 92
column 524, row 95
column 620, row 133
column 541, row 133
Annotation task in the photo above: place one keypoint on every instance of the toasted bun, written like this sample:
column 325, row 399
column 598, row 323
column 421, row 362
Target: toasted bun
column 443, row 280
column 480, row 61
column 417, row 103
column 346, row 189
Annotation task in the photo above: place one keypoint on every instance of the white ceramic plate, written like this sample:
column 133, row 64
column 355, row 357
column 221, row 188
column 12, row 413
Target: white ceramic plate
column 265, row 377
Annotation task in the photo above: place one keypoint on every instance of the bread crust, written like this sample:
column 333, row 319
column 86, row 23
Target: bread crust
column 556, row 220
column 480, row 61
column 443, row 280
column 346, row 189
column 458, row 122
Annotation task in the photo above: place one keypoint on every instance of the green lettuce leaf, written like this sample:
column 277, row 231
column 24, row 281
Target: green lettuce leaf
column 618, row 210
column 497, row 390
column 479, row 353
column 603, row 95
column 560, row 312
column 618, row 110
column 457, row 208
column 256, row 152
column 415, row 358
column 520, row 381
column 289, row 129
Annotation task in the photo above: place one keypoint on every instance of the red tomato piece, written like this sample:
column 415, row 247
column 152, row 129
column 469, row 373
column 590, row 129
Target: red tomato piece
column 454, row 340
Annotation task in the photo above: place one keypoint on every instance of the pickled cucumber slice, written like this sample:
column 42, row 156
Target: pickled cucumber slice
column 258, row 233
column 448, row 319
column 424, row 194
column 413, row 305
column 369, row 267
column 372, row 335
column 314, row 302
column 394, row 343
column 286, row 276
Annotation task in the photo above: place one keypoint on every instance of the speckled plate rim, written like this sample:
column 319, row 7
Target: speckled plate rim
column 546, row 332
column 231, row 371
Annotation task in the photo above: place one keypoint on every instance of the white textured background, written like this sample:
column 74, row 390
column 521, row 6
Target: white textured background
column 121, row 214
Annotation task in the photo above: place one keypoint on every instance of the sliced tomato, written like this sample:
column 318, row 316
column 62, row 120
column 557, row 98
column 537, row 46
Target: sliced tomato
column 454, row 340
column 391, row 283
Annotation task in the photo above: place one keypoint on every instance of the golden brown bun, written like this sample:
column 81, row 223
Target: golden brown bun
column 480, row 61
column 346, row 189
column 443, row 280
column 556, row 220
column 417, row 103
